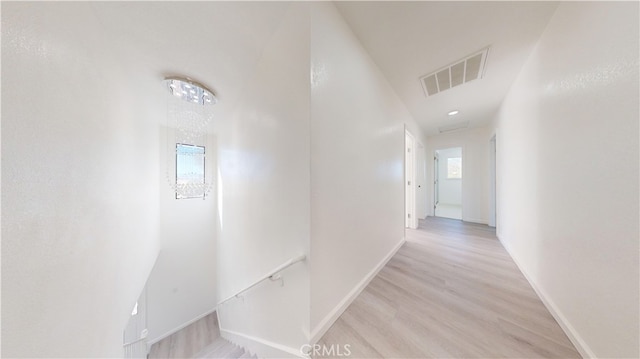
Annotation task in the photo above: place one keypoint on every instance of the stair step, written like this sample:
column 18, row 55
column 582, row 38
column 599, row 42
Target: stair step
column 218, row 343
column 221, row 348
column 203, row 338
column 246, row 355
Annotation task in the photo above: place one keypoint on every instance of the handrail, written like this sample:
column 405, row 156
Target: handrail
column 269, row 275
column 133, row 342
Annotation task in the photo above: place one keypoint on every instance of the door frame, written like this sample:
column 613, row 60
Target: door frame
column 436, row 182
column 434, row 150
column 410, row 146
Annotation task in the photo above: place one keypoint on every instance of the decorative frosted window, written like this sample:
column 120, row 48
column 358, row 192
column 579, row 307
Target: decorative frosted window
column 454, row 168
column 190, row 180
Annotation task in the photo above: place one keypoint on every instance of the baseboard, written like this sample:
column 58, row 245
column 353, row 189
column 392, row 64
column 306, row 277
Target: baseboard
column 328, row 321
column 568, row 329
column 476, row 220
column 262, row 348
column 180, row 327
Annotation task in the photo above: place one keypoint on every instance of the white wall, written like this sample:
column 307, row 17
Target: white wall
column 263, row 186
column 357, row 154
column 89, row 139
column 80, row 184
column 475, row 170
column 450, row 189
column 224, row 56
column 182, row 284
column 567, row 138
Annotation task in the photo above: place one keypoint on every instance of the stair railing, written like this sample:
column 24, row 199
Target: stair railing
column 271, row 275
column 136, row 349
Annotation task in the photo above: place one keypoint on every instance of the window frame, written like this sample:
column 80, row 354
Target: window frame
column 204, row 164
column 449, row 165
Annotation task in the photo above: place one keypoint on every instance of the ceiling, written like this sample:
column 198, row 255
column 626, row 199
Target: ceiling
column 210, row 42
column 408, row 40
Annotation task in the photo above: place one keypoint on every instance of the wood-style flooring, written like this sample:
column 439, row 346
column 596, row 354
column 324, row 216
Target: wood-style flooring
column 451, row 291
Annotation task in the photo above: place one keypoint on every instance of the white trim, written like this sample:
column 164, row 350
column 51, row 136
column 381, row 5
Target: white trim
column 568, row 329
column 180, row 327
column 430, row 162
column 410, row 192
column 262, row 347
column 328, row 320
column 476, row 220
column 421, row 167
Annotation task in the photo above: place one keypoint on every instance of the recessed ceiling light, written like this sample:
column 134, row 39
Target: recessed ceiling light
column 453, row 113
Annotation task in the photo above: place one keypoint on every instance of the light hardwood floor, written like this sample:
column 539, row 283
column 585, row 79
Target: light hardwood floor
column 451, row 291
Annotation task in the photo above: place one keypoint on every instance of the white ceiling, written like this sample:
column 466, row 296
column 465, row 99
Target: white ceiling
column 411, row 39
column 218, row 44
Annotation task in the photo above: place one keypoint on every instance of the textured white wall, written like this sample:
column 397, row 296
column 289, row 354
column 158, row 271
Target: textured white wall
column 357, row 154
column 88, row 137
column 568, row 173
column 80, row 184
column 475, row 170
column 223, row 55
column 182, row 284
column 263, row 185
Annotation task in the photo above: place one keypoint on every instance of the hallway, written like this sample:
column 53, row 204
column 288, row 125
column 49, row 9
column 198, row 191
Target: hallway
column 451, row 291
column 289, row 121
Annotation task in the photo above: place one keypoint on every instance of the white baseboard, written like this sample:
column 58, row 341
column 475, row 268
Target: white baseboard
column 568, row 329
column 328, row 321
column 476, row 220
column 262, row 348
column 180, row 327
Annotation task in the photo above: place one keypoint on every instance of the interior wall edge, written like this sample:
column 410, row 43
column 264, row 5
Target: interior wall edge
column 329, row 319
column 557, row 314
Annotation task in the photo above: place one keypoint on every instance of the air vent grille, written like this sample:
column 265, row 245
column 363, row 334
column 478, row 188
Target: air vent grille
column 453, row 127
column 468, row 69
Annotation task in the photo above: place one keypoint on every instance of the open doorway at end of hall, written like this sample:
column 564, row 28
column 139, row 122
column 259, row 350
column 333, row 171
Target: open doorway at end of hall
column 448, row 183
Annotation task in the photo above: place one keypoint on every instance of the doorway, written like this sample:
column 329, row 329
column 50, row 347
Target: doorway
column 447, row 191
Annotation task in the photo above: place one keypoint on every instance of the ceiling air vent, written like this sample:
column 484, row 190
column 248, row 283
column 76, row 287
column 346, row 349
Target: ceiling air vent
column 453, row 127
column 462, row 71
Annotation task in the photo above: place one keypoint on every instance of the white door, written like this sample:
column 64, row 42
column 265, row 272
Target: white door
column 421, row 182
column 436, row 181
column 410, row 193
